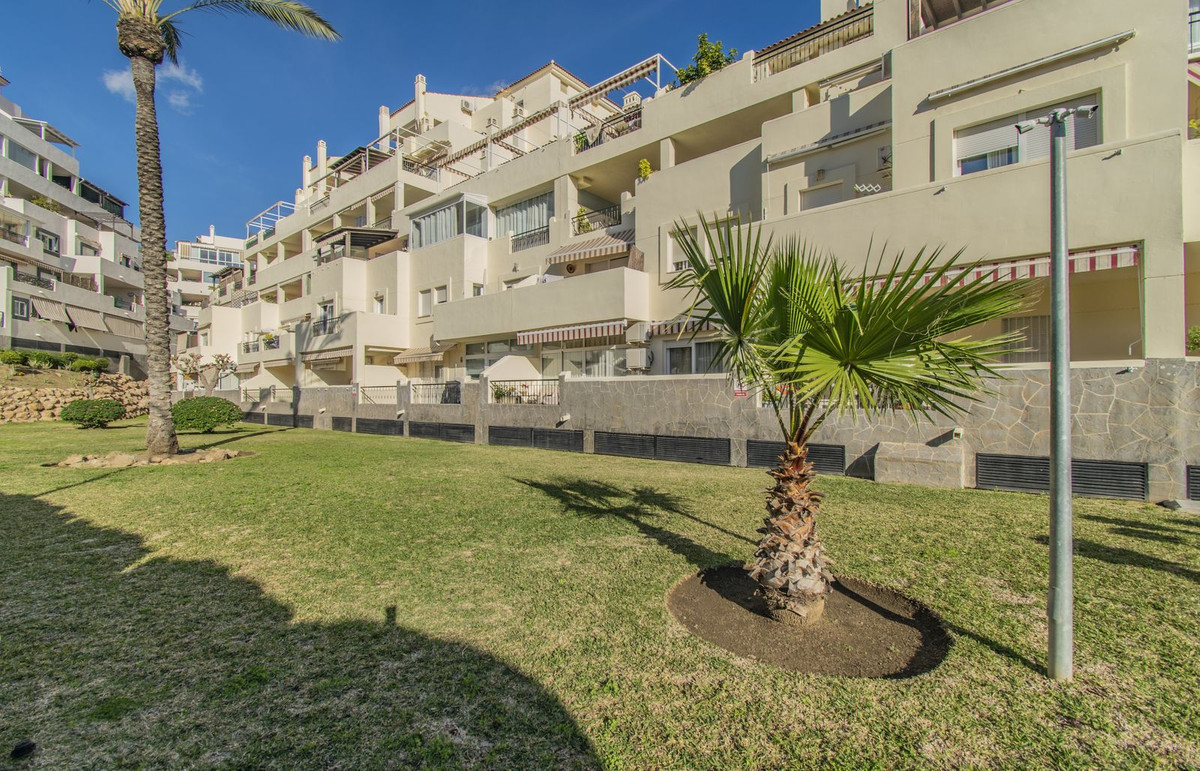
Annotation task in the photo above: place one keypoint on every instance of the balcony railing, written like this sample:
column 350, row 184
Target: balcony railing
column 524, row 391
column 1194, row 30
column 596, row 220
column 385, row 394
column 250, row 347
column 609, row 130
column 819, row 41
column 243, row 297
column 32, row 280
column 531, row 238
column 326, row 326
column 420, row 169
column 15, row 238
column 437, row 393
column 124, row 305
column 83, row 282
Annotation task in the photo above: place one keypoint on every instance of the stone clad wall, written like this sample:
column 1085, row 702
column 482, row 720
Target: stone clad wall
column 26, row 405
column 1144, row 414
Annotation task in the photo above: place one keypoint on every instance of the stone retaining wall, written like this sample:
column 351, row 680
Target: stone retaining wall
column 25, row 405
column 1147, row 413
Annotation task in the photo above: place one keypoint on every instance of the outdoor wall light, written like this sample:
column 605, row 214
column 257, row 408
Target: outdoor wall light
column 321, row 411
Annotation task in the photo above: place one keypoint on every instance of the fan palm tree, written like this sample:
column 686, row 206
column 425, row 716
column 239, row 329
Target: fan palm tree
column 147, row 36
column 815, row 341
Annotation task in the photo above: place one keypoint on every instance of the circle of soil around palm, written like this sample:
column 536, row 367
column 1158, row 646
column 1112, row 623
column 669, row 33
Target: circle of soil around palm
column 867, row 630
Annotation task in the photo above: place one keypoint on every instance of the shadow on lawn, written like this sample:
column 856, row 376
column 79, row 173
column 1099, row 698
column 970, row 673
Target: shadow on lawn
column 1119, row 556
column 113, row 656
column 637, row 506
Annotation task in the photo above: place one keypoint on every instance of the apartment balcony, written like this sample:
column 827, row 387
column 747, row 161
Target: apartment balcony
column 280, row 348
column 815, row 41
column 608, row 131
column 592, row 221
column 111, row 272
column 620, row 293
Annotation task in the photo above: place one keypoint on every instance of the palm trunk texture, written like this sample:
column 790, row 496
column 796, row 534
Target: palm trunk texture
column 142, row 43
column 790, row 561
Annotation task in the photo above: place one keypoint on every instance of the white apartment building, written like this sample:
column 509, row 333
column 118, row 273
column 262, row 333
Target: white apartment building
column 70, row 268
column 511, row 235
column 194, row 267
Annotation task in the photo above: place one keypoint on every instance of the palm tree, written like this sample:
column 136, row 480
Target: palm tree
column 815, row 341
column 147, row 36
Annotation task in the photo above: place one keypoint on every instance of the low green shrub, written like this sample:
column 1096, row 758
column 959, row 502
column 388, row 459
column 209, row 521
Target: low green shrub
column 204, row 413
column 65, row 359
column 101, row 362
column 1193, row 338
column 42, row 360
column 95, row 366
column 12, row 357
column 92, row 413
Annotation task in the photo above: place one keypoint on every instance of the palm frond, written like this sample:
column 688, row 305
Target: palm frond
column 172, row 39
column 289, row 14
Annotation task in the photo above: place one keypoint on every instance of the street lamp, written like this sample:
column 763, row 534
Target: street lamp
column 1061, row 600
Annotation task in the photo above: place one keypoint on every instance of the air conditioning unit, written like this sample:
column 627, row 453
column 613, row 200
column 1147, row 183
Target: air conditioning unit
column 637, row 332
column 638, row 358
column 465, row 105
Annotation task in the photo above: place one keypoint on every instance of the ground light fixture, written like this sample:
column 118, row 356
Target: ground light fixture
column 1061, row 597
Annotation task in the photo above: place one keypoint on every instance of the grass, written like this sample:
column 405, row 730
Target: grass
column 46, row 378
column 361, row 601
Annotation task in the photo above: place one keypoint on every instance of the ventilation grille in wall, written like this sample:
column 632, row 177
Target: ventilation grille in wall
column 541, row 438
column 826, row 458
column 1093, row 478
column 380, row 426
column 278, row 419
column 449, row 432
column 253, row 417
column 304, row 421
column 343, row 424
column 686, row 449
column 1193, row 483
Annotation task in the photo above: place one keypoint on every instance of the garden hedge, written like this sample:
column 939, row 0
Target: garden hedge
column 204, row 413
column 92, row 413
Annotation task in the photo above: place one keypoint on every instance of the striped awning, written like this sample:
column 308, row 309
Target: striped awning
column 417, row 355
column 680, row 325
column 606, row 244
column 48, row 309
column 332, row 353
column 124, row 327
column 1078, row 261
column 88, row 319
column 577, row 332
column 278, row 363
column 245, row 369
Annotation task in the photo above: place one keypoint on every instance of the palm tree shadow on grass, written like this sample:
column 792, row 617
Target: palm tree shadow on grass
column 637, row 506
column 1118, row 556
column 113, row 656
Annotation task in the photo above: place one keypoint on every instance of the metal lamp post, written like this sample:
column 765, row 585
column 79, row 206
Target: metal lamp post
column 1061, row 600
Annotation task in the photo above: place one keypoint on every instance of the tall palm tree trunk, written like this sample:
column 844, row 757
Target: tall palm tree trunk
column 142, row 43
column 790, row 561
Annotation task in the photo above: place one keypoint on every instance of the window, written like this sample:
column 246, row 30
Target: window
column 88, row 250
column 463, row 216
column 705, row 356
column 216, row 256
column 424, row 302
column 679, row 259
column 476, row 290
column 49, row 240
column 998, row 143
column 23, row 156
column 522, row 217
column 20, row 308
column 325, row 310
column 1036, row 345
column 679, row 360
column 440, row 295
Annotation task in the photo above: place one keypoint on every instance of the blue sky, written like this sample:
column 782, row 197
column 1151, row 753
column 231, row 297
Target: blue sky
column 250, row 100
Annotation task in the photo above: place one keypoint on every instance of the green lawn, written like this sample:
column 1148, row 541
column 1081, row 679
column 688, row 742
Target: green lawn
column 364, row 601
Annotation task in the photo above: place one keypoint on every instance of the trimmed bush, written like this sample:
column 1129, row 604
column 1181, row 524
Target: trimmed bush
column 41, row 360
column 204, row 413
column 92, row 413
column 12, row 357
column 65, row 360
column 95, row 366
column 102, row 363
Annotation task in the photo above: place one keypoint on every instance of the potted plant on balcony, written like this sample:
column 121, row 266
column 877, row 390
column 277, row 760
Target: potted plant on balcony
column 816, row 341
column 644, row 170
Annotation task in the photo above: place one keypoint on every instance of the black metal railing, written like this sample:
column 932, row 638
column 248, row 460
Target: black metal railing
column 609, row 130
column 385, row 394
column 420, row 169
column 437, row 393
column 1194, row 30
column 32, row 280
column 821, row 41
column 250, row 347
column 326, row 326
column 16, row 238
column 83, row 282
column 124, row 305
column 596, row 220
column 524, row 391
column 531, row 238
column 281, row 394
